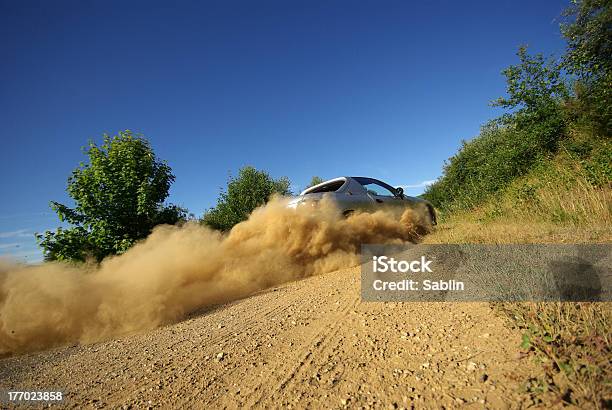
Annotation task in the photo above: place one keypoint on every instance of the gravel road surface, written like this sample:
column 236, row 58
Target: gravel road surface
column 306, row 344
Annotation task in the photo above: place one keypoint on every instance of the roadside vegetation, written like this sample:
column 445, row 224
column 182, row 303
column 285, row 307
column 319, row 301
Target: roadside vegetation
column 542, row 173
column 250, row 189
column 118, row 198
column 315, row 180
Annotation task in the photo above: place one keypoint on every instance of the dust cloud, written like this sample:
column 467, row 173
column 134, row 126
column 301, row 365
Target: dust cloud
column 178, row 270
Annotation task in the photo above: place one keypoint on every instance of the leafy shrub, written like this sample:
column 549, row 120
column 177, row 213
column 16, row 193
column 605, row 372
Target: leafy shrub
column 509, row 146
column 589, row 47
column 594, row 157
column 119, row 197
column 542, row 114
column 316, row 180
column 249, row 190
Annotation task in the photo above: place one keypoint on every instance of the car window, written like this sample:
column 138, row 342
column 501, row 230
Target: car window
column 375, row 189
column 329, row 187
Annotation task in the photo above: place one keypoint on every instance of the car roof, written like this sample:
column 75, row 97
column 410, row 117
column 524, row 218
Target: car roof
column 360, row 180
column 368, row 180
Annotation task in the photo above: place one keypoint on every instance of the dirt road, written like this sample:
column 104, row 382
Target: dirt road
column 311, row 343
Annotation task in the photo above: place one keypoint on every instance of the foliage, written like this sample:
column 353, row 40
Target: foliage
column 589, row 47
column 316, row 180
column 534, row 84
column 249, row 190
column 119, row 197
column 565, row 199
column 593, row 155
column 542, row 115
column 511, row 145
column 539, row 173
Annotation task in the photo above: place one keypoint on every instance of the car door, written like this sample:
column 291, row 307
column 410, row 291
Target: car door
column 353, row 196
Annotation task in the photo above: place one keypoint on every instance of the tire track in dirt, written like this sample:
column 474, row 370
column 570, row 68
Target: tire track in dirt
column 311, row 343
column 303, row 358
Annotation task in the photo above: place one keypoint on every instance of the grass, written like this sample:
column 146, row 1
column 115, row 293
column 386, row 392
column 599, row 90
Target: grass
column 572, row 343
column 555, row 203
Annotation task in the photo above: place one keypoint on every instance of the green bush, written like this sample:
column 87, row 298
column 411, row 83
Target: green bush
column 488, row 163
column 249, row 190
column 119, row 197
column 509, row 146
column 589, row 47
column 544, row 117
column 316, row 180
column 594, row 156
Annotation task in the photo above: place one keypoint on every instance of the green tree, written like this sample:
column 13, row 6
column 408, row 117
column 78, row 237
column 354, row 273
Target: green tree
column 316, row 180
column 509, row 146
column 119, row 197
column 533, row 84
column 249, row 190
column 588, row 56
column 536, row 91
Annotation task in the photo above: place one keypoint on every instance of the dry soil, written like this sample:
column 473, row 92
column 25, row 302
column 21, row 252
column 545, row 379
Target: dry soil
column 306, row 344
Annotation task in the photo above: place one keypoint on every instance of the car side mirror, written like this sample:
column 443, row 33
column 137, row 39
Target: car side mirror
column 399, row 191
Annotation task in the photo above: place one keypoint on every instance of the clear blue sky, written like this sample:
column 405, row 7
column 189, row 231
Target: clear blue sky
column 386, row 89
